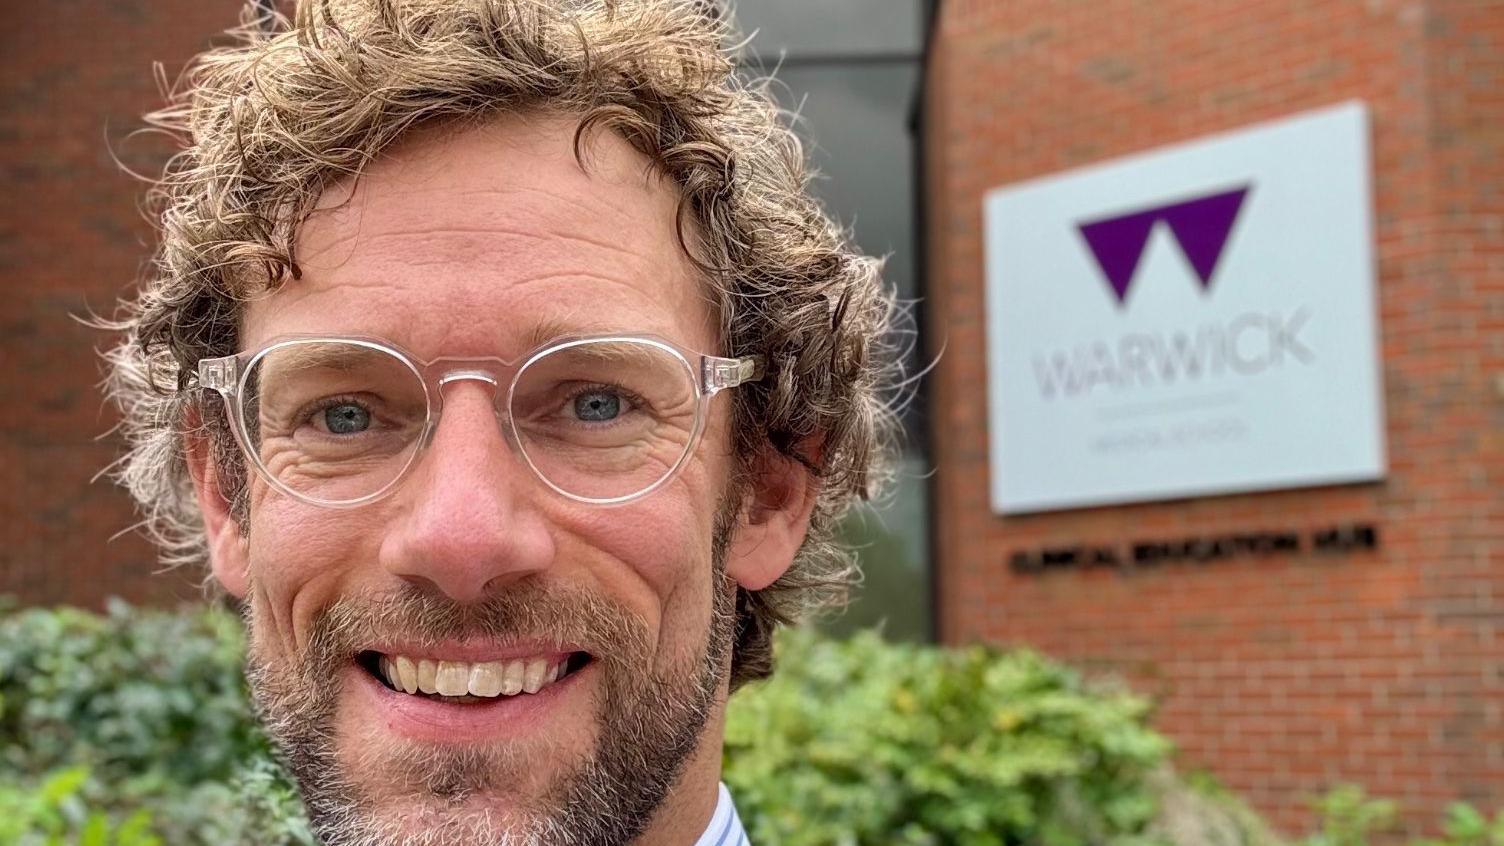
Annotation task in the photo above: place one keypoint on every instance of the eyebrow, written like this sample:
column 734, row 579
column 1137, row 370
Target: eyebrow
column 550, row 329
column 311, row 356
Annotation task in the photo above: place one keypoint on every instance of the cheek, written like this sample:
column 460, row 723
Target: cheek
column 666, row 536
column 299, row 555
column 658, row 561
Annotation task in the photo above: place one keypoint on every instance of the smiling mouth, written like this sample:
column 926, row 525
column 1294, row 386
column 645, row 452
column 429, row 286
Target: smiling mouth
column 469, row 682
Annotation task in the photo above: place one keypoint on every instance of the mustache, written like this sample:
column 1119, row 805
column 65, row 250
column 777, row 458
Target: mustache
column 528, row 610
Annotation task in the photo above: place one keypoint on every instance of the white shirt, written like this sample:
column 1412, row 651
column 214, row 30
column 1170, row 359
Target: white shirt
column 725, row 827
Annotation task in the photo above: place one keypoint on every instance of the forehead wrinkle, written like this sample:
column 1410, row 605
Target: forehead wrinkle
column 356, row 239
column 287, row 298
column 459, row 246
column 545, row 236
column 657, row 191
column 614, row 305
column 513, row 232
column 474, row 278
column 591, row 191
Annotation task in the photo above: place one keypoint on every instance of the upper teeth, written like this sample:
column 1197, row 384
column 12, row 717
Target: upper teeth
column 458, row 678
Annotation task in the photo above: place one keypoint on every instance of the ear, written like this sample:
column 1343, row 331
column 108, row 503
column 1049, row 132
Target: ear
column 228, row 556
column 773, row 520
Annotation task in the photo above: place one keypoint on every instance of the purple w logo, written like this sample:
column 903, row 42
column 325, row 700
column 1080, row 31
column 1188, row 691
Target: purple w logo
column 1200, row 226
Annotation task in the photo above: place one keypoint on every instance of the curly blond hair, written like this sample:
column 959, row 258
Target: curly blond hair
column 293, row 105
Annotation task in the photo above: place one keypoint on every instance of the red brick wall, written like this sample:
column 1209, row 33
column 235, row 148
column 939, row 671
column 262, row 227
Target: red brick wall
column 1281, row 676
column 76, row 78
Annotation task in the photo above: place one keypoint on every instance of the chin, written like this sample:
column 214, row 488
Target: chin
column 419, row 786
column 422, row 795
column 470, row 822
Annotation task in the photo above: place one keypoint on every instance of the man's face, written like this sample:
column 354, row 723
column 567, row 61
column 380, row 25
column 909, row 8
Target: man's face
column 470, row 243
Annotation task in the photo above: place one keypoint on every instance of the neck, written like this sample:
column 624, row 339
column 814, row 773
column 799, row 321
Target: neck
column 690, row 803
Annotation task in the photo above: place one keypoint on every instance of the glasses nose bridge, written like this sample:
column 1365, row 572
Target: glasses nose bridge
column 444, row 372
column 450, row 376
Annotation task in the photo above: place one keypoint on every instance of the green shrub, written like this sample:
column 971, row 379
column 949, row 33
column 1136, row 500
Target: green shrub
column 131, row 693
column 54, row 811
column 1350, row 817
column 1466, row 826
column 865, row 742
column 108, row 720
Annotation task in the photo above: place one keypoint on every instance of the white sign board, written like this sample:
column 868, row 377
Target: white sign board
column 1199, row 319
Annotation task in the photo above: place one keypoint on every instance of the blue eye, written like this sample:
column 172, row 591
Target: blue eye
column 347, row 419
column 597, row 406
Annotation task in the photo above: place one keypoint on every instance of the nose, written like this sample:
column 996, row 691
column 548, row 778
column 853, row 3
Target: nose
column 472, row 527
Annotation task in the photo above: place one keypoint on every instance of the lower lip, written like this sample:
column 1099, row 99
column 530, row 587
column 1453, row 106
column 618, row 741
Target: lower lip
column 420, row 718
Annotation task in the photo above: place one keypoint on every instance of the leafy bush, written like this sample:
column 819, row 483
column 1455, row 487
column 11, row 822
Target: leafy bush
column 107, row 720
column 131, row 694
column 1467, row 826
column 865, row 742
column 54, row 812
column 1350, row 817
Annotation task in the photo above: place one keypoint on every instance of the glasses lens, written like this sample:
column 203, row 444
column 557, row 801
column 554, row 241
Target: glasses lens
column 333, row 421
column 605, row 419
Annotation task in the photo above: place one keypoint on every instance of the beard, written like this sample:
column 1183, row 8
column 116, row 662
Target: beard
column 648, row 721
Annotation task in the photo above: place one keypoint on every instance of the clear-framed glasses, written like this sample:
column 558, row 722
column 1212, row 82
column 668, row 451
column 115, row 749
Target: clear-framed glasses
column 340, row 421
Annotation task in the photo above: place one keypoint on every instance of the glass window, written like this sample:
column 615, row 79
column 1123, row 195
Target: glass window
column 850, row 70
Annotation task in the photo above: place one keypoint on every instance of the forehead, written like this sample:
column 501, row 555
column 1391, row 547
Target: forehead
column 478, row 240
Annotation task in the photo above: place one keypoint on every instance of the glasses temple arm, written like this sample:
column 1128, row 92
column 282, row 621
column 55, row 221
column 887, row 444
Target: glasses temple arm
column 720, row 373
column 219, row 374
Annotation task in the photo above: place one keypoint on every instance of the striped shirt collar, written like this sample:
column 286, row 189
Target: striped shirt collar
column 725, row 827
